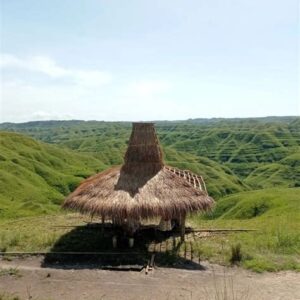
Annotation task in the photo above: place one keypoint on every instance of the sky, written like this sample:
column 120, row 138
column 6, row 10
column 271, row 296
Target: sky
column 141, row 60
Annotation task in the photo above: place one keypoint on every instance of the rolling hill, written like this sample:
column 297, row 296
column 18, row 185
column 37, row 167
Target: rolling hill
column 251, row 167
column 266, row 203
column 258, row 152
column 35, row 177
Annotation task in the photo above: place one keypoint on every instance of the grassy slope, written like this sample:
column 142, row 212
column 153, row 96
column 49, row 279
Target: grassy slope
column 251, row 148
column 232, row 157
column 274, row 246
column 35, row 177
column 266, row 203
column 243, row 147
column 108, row 147
column 220, row 180
column 275, row 213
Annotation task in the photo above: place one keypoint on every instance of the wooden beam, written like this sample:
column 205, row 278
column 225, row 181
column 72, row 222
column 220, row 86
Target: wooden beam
column 222, row 230
column 67, row 253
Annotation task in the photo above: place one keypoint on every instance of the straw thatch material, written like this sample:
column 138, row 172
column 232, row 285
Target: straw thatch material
column 143, row 156
column 143, row 187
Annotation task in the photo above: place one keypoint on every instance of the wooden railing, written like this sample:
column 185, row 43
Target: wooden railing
column 196, row 180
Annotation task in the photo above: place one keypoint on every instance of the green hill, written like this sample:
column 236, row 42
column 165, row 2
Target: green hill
column 266, row 203
column 273, row 214
column 260, row 152
column 251, row 167
column 35, row 177
column 220, row 180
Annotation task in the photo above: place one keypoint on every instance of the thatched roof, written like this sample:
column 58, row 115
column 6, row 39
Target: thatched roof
column 143, row 187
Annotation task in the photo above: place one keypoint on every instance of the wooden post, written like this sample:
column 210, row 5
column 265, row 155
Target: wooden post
column 103, row 223
column 182, row 228
column 114, row 241
column 174, row 244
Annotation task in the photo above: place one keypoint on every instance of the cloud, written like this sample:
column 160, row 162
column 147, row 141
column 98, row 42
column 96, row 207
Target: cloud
column 48, row 67
column 39, row 88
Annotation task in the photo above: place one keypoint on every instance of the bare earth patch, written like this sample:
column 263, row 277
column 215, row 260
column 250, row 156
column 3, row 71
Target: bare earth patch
column 214, row 281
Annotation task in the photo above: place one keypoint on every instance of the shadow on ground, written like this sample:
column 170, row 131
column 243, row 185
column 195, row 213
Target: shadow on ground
column 90, row 247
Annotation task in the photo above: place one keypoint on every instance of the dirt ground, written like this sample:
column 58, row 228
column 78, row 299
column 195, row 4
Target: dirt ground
column 213, row 282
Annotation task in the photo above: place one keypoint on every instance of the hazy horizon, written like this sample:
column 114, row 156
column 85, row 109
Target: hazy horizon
column 158, row 120
column 141, row 60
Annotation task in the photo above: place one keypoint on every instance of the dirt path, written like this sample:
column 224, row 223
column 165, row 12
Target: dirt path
column 162, row 283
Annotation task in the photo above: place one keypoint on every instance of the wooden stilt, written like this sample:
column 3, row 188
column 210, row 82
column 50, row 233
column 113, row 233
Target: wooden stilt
column 114, row 241
column 174, row 243
column 103, row 222
column 182, row 228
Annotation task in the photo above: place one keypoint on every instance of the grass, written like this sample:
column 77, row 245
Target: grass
column 35, row 177
column 236, row 157
column 273, row 247
column 10, row 272
column 276, row 243
column 250, row 149
column 232, row 155
column 236, row 254
column 225, row 289
column 6, row 296
column 35, row 233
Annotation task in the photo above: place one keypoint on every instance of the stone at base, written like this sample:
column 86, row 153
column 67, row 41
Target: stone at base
column 114, row 241
column 131, row 242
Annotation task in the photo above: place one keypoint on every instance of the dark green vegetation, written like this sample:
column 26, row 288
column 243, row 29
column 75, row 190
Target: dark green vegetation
column 251, row 167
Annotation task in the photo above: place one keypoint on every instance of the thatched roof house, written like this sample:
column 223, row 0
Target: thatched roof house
column 143, row 187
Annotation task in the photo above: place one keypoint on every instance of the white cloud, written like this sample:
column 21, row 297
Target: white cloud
column 89, row 97
column 48, row 67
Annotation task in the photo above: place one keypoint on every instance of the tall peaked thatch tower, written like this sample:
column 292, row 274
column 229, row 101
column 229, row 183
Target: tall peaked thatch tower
column 143, row 155
column 143, row 187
